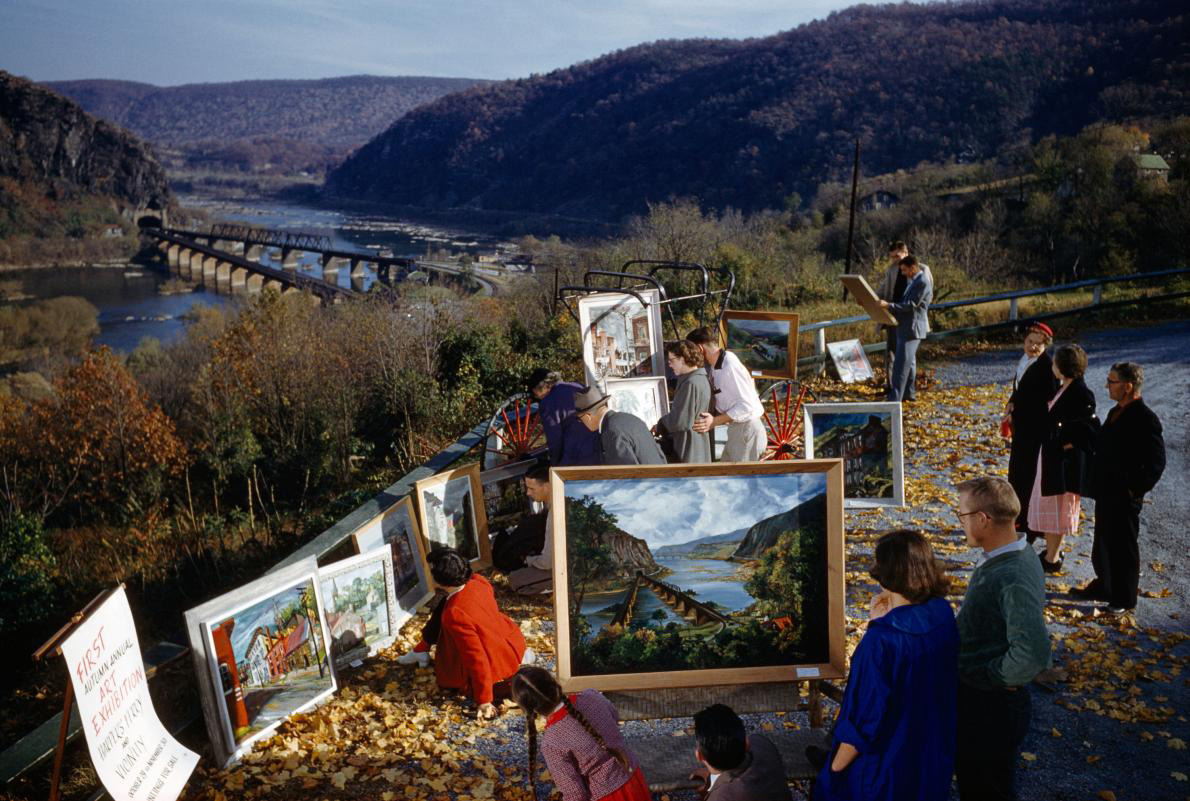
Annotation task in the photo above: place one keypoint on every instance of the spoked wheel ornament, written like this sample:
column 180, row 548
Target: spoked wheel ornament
column 783, row 420
column 514, row 432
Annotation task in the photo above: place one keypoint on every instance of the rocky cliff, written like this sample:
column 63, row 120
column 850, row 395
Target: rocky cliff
column 629, row 554
column 764, row 534
column 49, row 142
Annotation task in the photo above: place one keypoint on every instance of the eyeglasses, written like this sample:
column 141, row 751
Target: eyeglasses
column 1110, row 381
column 961, row 515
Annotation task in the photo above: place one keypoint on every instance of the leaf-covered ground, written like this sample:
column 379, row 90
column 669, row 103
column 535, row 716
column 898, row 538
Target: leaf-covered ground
column 1108, row 723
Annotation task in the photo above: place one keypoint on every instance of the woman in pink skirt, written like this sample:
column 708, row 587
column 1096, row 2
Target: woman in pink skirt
column 1063, row 464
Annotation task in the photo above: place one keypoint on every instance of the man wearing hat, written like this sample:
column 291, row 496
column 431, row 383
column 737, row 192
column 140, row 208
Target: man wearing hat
column 568, row 441
column 623, row 438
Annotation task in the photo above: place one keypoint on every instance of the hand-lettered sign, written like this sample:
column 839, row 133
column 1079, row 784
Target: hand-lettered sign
column 135, row 757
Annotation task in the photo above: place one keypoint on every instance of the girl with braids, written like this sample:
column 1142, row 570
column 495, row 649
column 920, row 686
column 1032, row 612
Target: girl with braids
column 581, row 743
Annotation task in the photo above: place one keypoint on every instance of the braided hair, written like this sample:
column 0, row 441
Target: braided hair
column 538, row 693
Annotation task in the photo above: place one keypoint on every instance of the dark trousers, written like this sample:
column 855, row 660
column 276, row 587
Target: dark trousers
column 1022, row 470
column 992, row 725
column 1115, row 553
column 904, row 379
column 890, row 353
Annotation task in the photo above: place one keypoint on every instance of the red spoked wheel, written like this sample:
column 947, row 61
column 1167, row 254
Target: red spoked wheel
column 514, row 432
column 783, row 420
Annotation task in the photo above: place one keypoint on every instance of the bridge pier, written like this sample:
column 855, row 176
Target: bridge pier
column 223, row 275
column 239, row 277
column 209, row 264
column 194, row 273
column 254, row 284
column 272, row 285
column 171, row 255
column 358, row 266
column 251, row 252
column 288, row 258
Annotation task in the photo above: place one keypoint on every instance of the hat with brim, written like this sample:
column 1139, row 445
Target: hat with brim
column 589, row 399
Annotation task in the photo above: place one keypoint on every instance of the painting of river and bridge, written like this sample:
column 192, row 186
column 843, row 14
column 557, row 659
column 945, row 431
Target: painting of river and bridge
column 690, row 575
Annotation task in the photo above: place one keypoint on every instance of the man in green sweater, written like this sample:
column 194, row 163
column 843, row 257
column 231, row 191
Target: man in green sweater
column 1003, row 642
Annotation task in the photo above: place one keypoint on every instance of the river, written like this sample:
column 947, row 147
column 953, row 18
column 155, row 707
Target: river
column 706, row 579
column 130, row 308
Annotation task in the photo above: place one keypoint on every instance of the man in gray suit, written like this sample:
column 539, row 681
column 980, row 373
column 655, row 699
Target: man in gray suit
column 912, row 327
column 623, row 438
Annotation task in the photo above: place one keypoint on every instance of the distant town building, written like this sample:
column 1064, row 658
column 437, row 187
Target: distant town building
column 1151, row 166
column 880, row 199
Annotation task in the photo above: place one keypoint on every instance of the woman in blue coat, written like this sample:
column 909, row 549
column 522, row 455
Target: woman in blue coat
column 894, row 737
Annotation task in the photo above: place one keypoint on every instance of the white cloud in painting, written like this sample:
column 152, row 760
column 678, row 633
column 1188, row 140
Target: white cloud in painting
column 667, row 511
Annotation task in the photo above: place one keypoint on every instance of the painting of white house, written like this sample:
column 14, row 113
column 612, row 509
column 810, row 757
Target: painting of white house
column 621, row 336
column 359, row 604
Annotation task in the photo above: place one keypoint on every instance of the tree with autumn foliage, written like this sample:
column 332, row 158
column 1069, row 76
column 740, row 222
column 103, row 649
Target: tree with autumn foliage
column 94, row 449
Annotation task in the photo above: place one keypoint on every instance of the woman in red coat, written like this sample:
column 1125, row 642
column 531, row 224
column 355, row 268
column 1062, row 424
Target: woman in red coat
column 479, row 648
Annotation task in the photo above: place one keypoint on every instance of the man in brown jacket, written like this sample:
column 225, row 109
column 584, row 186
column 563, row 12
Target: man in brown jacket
column 735, row 765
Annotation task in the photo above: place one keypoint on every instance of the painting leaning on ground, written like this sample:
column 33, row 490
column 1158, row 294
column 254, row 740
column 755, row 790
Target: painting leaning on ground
column 866, row 443
column 694, row 573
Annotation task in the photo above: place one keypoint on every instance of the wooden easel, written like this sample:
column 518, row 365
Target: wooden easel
column 53, row 647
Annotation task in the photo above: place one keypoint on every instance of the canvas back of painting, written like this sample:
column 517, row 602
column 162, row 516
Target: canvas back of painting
column 698, row 575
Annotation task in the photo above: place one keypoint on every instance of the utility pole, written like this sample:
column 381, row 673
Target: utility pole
column 851, row 219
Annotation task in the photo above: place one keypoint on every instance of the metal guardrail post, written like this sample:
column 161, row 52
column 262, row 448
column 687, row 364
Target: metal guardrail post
column 1097, row 295
column 1012, row 310
column 820, row 349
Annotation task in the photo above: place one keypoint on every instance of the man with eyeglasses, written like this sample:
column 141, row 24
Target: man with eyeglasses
column 1003, row 641
column 1129, row 461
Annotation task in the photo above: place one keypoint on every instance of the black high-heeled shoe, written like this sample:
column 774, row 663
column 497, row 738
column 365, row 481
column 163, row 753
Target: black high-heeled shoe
column 1050, row 567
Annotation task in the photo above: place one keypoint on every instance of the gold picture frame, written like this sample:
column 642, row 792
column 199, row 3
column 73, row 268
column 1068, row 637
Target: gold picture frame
column 436, row 499
column 764, row 341
column 793, row 505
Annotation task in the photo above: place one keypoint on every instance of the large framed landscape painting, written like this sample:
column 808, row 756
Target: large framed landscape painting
column 698, row 575
column 450, row 506
column 262, row 655
column 645, row 398
column 621, row 336
column 360, row 604
column 867, row 437
column 397, row 527
column 766, row 342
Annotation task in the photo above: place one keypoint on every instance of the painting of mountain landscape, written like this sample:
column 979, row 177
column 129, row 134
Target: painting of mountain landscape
column 681, row 573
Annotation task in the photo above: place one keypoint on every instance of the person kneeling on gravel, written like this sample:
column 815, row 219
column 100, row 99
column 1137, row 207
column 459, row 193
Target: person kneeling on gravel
column 479, row 648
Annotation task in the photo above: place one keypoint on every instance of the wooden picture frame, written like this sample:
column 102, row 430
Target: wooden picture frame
column 859, row 288
column 851, row 363
column 646, row 398
column 354, row 589
column 592, row 507
column 397, row 527
column 278, row 650
column 872, row 449
column 438, row 496
column 765, row 342
column 621, row 338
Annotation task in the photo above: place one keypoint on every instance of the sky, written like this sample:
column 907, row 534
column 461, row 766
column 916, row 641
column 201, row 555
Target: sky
column 668, row 511
column 260, row 614
column 171, row 42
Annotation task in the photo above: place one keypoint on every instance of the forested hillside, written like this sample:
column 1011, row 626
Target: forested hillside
column 747, row 123
column 252, row 123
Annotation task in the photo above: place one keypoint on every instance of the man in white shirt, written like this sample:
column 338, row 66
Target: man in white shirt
column 734, row 401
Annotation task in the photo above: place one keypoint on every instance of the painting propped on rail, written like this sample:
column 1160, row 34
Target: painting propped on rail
column 696, row 575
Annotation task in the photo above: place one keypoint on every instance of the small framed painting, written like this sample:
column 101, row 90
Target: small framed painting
column 867, row 437
column 397, row 527
column 645, row 398
column 262, row 655
column 451, row 509
column 360, row 605
column 621, row 336
column 851, row 362
column 765, row 342
column 698, row 575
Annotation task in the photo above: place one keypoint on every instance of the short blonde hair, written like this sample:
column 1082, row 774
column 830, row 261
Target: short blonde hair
column 993, row 496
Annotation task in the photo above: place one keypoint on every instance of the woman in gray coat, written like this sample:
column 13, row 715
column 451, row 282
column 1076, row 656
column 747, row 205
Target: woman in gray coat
column 692, row 397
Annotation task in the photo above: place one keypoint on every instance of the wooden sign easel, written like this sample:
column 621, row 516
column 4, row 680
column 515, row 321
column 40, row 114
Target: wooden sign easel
column 53, row 647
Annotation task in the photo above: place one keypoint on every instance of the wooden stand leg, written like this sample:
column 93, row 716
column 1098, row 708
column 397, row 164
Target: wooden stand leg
column 815, row 705
column 67, row 705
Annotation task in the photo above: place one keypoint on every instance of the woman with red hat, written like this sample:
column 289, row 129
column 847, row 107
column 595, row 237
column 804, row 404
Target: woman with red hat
column 1033, row 385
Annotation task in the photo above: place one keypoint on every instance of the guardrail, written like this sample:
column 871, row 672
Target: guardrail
column 819, row 329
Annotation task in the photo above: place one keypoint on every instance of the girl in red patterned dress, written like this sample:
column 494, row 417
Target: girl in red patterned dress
column 582, row 744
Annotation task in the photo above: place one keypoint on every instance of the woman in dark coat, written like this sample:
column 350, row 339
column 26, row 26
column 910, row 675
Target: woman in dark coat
column 692, row 397
column 1063, row 466
column 1033, row 384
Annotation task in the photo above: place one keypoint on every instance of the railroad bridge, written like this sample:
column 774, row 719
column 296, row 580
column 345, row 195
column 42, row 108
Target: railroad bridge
column 675, row 597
